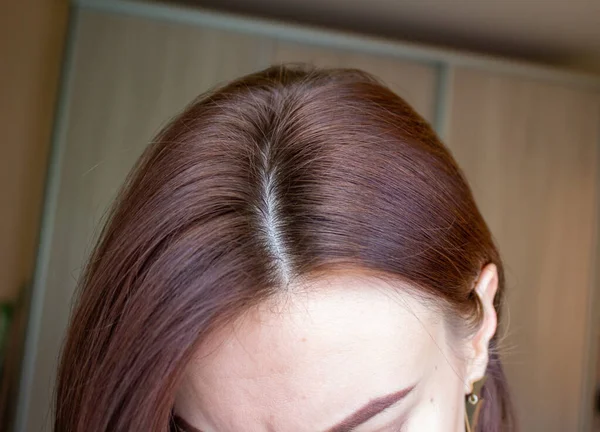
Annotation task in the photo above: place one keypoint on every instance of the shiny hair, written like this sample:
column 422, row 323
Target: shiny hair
column 280, row 174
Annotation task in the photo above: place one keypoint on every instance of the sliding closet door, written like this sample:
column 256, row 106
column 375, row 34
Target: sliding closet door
column 129, row 77
column 529, row 150
column 415, row 82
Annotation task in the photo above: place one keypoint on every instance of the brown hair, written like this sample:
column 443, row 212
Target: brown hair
column 279, row 174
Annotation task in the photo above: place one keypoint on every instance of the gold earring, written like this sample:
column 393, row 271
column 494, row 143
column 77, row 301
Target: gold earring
column 473, row 404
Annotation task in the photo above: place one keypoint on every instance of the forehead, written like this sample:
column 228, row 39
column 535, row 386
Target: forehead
column 318, row 353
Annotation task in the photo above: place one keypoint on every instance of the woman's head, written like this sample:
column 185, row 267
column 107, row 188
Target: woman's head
column 293, row 246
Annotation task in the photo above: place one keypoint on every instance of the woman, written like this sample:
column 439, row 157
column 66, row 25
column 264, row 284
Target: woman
column 296, row 252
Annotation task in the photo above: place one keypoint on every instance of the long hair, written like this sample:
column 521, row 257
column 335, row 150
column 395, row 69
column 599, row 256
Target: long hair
column 280, row 174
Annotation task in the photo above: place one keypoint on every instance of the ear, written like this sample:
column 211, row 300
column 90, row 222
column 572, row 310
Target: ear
column 486, row 288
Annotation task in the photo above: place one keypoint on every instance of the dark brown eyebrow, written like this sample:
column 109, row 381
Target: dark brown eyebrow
column 367, row 412
column 370, row 410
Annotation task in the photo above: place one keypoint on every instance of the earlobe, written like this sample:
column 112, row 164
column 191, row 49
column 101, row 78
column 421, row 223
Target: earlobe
column 486, row 288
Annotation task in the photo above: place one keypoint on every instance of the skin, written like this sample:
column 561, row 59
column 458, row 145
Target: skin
column 308, row 360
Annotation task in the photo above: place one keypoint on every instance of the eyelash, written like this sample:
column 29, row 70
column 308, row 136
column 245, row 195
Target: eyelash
column 177, row 425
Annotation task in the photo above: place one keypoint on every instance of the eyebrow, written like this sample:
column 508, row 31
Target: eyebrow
column 370, row 410
column 362, row 415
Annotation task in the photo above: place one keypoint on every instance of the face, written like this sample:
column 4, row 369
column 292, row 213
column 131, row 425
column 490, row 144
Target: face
column 344, row 354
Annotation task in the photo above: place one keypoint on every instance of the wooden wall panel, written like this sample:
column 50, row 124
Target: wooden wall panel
column 31, row 45
column 529, row 150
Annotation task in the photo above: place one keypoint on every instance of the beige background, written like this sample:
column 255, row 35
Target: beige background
column 529, row 149
column 538, row 195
